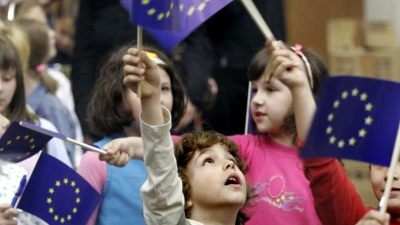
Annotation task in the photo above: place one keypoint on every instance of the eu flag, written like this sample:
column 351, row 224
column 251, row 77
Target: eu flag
column 57, row 194
column 19, row 143
column 357, row 118
column 190, row 14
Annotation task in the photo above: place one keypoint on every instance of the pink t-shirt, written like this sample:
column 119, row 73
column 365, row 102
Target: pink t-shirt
column 276, row 173
column 95, row 172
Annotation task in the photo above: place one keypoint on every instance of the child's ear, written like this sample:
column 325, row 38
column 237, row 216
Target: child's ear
column 189, row 204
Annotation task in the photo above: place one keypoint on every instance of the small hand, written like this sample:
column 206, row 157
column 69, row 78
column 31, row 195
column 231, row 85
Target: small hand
column 121, row 150
column 374, row 217
column 141, row 70
column 286, row 66
column 7, row 214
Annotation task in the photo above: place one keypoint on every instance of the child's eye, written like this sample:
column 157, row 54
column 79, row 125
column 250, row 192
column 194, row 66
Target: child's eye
column 165, row 89
column 270, row 89
column 208, row 161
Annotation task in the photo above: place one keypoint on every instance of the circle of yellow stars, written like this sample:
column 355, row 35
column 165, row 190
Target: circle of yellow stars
column 49, row 200
column 27, row 138
column 189, row 10
column 363, row 98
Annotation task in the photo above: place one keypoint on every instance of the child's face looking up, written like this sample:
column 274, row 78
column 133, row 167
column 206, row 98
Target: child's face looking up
column 8, row 84
column 215, row 179
column 270, row 105
column 166, row 96
column 378, row 176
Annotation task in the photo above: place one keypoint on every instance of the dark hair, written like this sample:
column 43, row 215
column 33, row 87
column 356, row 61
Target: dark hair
column 107, row 112
column 319, row 72
column 185, row 149
column 9, row 59
column 39, row 44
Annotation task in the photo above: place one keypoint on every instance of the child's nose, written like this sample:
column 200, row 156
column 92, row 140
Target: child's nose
column 257, row 100
column 228, row 165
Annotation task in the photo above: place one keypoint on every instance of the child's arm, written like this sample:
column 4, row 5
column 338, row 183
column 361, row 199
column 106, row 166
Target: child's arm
column 374, row 217
column 162, row 192
column 286, row 66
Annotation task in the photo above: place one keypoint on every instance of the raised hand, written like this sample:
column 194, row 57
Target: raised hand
column 142, row 71
column 7, row 214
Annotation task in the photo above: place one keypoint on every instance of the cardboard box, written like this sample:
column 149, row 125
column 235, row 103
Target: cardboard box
column 344, row 34
column 383, row 63
column 380, row 34
column 346, row 62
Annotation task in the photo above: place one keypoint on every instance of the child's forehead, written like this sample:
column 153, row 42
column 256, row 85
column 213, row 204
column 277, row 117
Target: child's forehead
column 215, row 148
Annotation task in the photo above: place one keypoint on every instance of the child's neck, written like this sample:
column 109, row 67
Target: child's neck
column 31, row 81
column 283, row 139
column 215, row 215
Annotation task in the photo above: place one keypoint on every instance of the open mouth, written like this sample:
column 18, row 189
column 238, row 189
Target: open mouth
column 233, row 179
column 259, row 114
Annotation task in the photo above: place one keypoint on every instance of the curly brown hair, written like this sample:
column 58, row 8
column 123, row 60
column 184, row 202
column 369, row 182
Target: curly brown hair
column 185, row 149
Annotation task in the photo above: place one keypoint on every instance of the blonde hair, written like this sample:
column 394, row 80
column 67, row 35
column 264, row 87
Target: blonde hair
column 20, row 40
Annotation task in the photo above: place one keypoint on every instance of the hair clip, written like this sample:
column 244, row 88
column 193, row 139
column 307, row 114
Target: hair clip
column 41, row 68
column 154, row 57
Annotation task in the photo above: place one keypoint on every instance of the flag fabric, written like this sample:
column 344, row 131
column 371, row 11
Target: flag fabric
column 357, row 118
column 19, row 143
column 57, row 194
column 190, row 15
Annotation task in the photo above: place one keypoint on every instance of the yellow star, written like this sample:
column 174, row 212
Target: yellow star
column 345, row 94
column 74, row 210
column 362, row 133
column 26, row 136
column 364, row 96
column 201, row 6
column 51, row 190
column 9, row 142
column 77, row 191
column 181, row 7
column 145, row 2
column 336, row 104
column 49, row 200
column 62, row 220
column 17, row 137
column 33, row 146
column 66, row 181
column 167, row 14
column 330, row 117
column 55, row 217
column 32, row 140
column 332, row 140
column 368, row 120
column 58, row 183
column 329, row 130
column 151, row 11
column 78, row 200
column 51, row 210
column 160, row 16
column 341, row 144
column 191, row 10
column 73, row 183
column 1, row 149
column 28, row 153
column 354, row 92
column 352, row 141
column 172, row 5
column 368, row 107
column 69, row 217
column 19, row 157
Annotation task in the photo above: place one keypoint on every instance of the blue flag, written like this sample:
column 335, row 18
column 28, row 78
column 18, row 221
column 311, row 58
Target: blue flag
column 57, row 194
column 190, row 15
column 19, row 143
column 357, row 118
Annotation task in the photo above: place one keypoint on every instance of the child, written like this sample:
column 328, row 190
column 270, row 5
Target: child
column 275, row 170
column 40, row 87
column 113, row 112
column 210, row 169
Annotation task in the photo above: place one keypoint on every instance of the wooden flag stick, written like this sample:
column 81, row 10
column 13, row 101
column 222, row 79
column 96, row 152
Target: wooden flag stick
column 260, row 22
column 139, row 47
column 246, row 126
column 393, row 163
